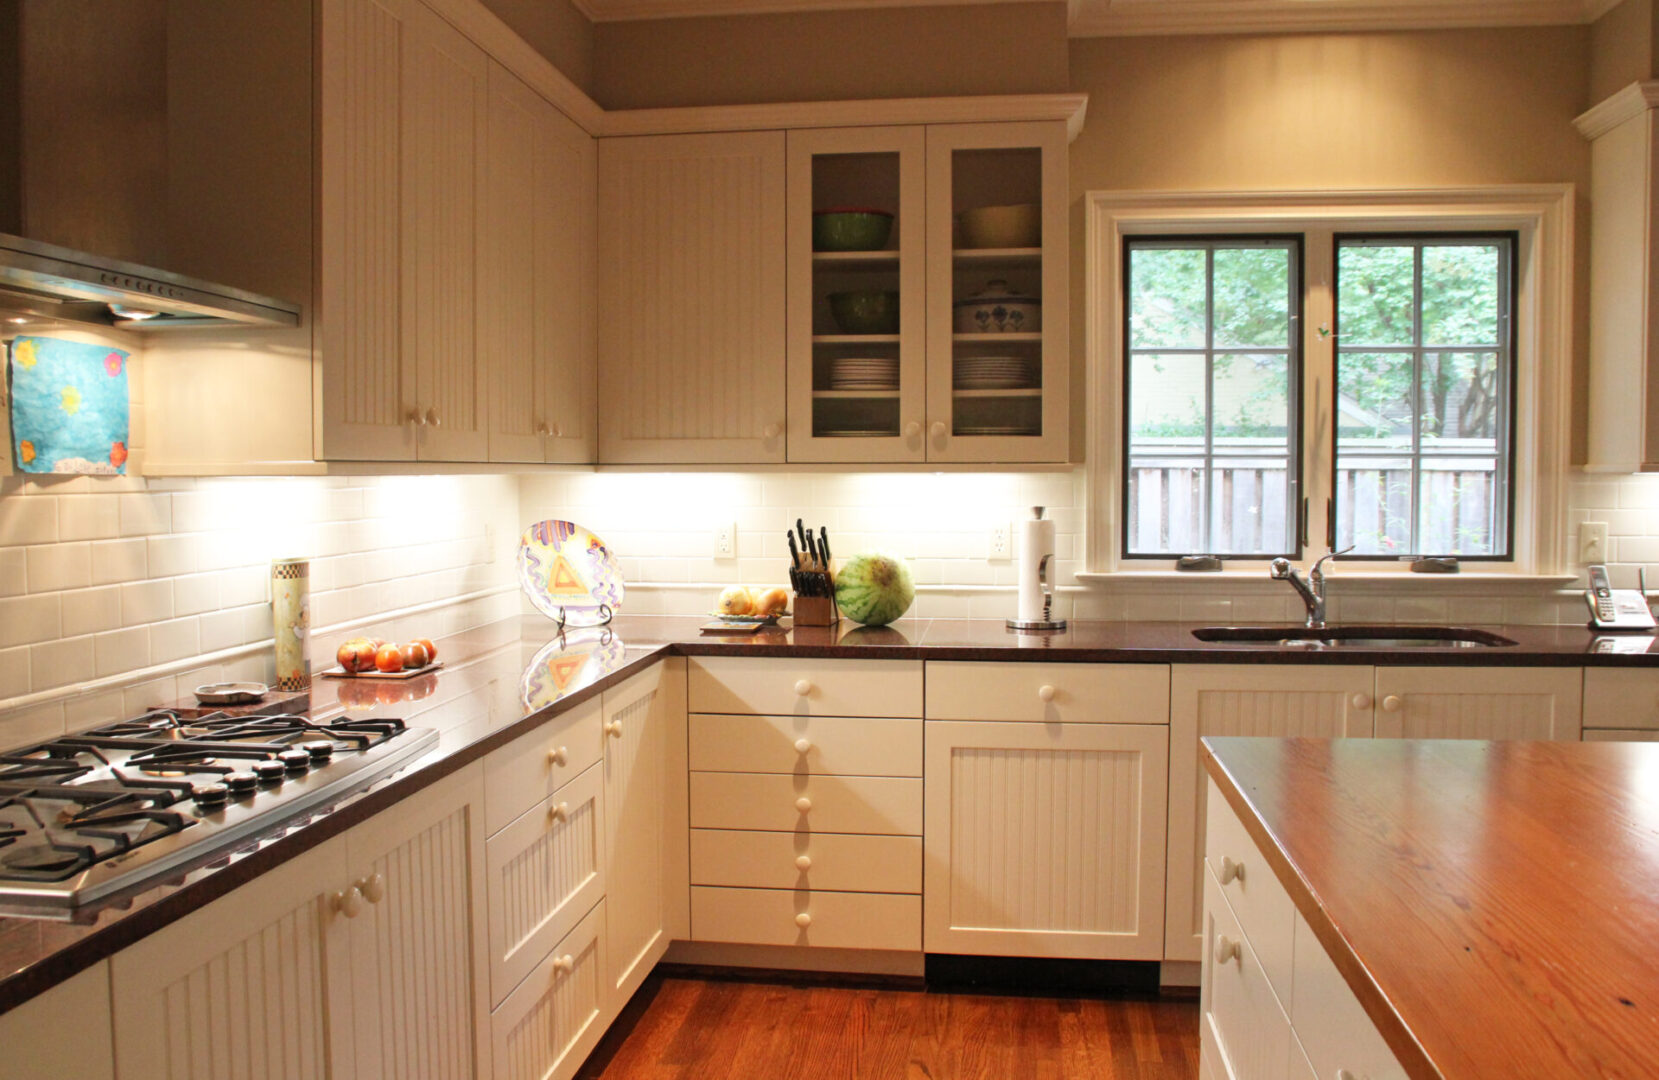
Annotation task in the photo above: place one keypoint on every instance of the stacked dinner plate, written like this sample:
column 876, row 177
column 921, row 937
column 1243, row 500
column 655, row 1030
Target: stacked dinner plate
column 996, row 373
column 860, row 373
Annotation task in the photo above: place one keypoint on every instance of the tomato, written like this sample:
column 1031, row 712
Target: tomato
column 389, row 659
column 415, row 655
column 431, row 649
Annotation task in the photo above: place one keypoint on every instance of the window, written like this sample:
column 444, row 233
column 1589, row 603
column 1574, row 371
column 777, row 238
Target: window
column 1425, row 374
column 1212, row 374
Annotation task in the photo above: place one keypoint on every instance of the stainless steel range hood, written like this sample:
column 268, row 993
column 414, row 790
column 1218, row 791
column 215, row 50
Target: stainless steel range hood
column 51, row 282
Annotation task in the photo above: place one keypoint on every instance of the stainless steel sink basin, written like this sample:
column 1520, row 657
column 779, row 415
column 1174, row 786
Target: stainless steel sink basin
column 1355, row 637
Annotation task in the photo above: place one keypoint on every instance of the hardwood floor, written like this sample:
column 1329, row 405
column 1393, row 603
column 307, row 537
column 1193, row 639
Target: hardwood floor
column 678, row 1028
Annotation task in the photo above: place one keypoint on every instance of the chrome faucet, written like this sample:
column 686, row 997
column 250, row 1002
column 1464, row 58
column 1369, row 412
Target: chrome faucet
column 1312, row 588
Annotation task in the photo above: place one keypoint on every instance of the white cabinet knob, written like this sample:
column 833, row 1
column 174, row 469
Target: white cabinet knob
column 912, row 429
column 613, row 728
column 803, row 862
column 433, row 418
column 1345, row 1074
column 1231, row 871
column 542, row 429
column 1393, row 703
column 803, row 920
column 1045, row 693
column 417, row 417
column 803, row 804
column 373, row 888
column 559, row 811
column 803, row 687
column 773, row 431
column 348, row 903
column 939, row 429
column 1226, row 949
column 559, row 755
column 1361, row 701
column 564, row 964
column 803, row 745
column 558, row 431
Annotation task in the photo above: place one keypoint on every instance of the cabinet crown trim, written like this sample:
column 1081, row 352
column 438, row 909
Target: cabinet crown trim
column 872, row 113
column 1632, row 101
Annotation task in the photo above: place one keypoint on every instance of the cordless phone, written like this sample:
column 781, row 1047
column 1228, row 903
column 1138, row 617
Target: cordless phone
column 1616, row 609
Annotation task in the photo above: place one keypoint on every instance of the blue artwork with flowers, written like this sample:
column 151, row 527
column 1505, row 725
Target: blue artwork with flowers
column 69, row 407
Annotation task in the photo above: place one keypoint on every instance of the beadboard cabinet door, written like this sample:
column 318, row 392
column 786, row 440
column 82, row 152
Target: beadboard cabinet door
column 255, row 984
column 1479, row 703
column 536, row 297
column 1045, row 839
column 1313, row 700
column 691, row 288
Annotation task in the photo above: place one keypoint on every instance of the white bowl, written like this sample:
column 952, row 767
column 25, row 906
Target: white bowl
column 1017, row 226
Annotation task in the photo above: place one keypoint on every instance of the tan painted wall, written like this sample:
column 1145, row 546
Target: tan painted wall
column 555, row 29
column 1621, row 47
column 832, row 55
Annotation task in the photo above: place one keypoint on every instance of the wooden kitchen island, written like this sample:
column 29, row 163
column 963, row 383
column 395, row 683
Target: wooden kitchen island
column 1493, row 908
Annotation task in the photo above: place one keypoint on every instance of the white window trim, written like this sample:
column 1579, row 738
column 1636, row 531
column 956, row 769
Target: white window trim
column 1542, row 217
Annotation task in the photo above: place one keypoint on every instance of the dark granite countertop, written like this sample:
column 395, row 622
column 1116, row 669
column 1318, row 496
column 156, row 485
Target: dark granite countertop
column 477, row 703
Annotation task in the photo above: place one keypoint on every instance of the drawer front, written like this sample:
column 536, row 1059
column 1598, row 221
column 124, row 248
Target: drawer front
column 887, row 806
column 834, row 861
column 1247, row 1031
column 1332, row 1025
column 1260, row 904
column 740, row 684
column 1621, row 735
column 849, row 745
column 1621, row 698
column 828, row 920
column 545, row 871
column 1049, row 693
column 531, row 767
column 548, row 1025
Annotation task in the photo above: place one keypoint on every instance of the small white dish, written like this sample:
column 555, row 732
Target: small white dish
column 231, row 693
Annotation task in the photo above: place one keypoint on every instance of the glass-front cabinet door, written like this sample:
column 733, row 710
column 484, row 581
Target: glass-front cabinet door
column 857, row 215
column 997, row 299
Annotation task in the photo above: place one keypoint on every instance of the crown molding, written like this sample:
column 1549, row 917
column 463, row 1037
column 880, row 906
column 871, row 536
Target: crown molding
column 635, row 10
column 878, row 113
column 1126, row 18
column 1632, row 101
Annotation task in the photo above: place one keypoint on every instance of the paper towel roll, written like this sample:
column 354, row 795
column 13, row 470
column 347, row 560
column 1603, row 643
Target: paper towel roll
column 1036, row 541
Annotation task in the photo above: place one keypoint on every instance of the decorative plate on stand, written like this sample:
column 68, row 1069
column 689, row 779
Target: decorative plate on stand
column 569, row 574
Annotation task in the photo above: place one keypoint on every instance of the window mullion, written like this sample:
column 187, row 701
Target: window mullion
column 1416, row 545
column 1208, row 506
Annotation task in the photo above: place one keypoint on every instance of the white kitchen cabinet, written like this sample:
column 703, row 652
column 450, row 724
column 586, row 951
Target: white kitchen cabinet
column 1621, row 699
column 1313, row 700
column 647, row 893
column 556, row 1016
column 801, row 687
column 1059, row 693
column 1478, row 703
column 1243, row 1030
column 1045, row 839
column 537, row 296
column 65, row 1032
column 691, row 299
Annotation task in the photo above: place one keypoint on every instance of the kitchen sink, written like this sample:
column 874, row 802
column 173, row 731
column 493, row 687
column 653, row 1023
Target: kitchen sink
column 1356, row 637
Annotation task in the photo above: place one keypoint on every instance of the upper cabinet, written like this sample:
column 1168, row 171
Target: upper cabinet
column 691, row 309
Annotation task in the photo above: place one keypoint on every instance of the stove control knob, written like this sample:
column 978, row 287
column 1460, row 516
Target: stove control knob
column 242, row 784
column 320, row 750
column 295, row 760
column 211, row 796
column 269, row 772
column 348, row 903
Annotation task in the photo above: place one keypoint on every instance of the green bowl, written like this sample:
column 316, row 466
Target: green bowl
column 850, row 230
column 867, row 311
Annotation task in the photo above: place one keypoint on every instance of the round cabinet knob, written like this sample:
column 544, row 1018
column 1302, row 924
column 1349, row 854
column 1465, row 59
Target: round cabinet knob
column 1361, row 701
column 1393, row 703
column 803, row 862
column 417, row 417
column 559, row 812
column 564, row 964
column 803, row 920
column 940, row 430
column 373, row 888
column 613, row 728
column 348, row 903
column 543, row 430
column 803, row 745
column 912, row 429
column 433, row 418
column 773, row 431
column 1045, row 693
column 558, row 431
column 1346, row 1074
column 1231, row 871
column 803, row 687
column 803, row 804
column 559, row 755
column 1226, row 949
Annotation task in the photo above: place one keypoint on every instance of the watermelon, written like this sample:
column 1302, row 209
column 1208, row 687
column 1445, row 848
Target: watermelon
column 874, row 589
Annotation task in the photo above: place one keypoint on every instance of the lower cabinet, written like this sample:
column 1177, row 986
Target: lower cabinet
column 554, row 1018
column 1479, row 703
column 33, row 1042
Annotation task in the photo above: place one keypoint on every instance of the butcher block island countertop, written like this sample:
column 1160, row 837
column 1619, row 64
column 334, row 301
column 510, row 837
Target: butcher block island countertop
column 1494, row 906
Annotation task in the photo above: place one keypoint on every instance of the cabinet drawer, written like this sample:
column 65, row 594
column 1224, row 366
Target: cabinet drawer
column 548, row 1025
column 1245, row 1030
column 733, row 684
column 834, row 920
column 1331, row 1024
column 848, row 745
column 888, row 806
column 1621, row 698
column 835, row 861
column 1621, row 734
column 1049, row 693
column 1260, row 904
column 545, row 871
column 531, row 767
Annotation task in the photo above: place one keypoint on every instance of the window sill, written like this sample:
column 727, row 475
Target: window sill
column 1339, row 581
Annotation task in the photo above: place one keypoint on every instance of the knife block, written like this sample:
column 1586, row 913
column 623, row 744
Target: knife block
column 816, row 611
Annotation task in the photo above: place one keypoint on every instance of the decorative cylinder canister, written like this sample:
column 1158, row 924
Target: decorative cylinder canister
column 291, row 621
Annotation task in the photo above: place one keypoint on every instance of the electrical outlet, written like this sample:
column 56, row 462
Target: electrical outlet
column 1592, row 542
column 1002, row 543
column 725, row 541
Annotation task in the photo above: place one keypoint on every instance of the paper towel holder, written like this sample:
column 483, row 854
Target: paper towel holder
column 1047, row 622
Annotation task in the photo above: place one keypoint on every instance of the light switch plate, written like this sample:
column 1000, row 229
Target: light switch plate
column 1592, row 542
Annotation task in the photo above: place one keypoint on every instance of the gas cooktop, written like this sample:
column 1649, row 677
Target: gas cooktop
column 86, row 815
